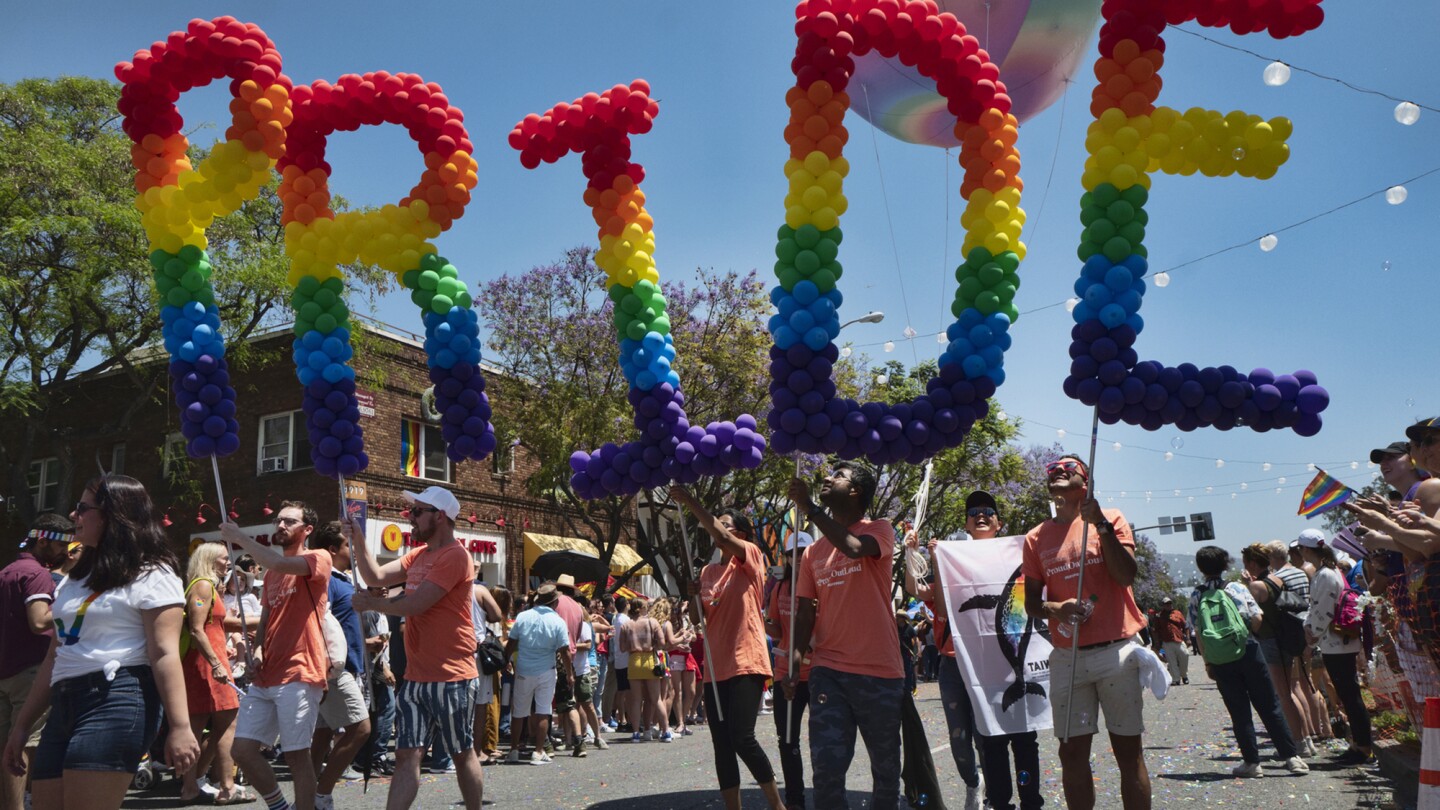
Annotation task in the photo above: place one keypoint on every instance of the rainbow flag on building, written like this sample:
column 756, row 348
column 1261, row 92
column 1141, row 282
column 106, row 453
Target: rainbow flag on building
column 1322, row 494
column 410, row 448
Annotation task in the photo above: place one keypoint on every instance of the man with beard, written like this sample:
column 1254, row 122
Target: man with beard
column 291, row 660
column 440, row 688
column 26, row 631
column 1103, row 622
column 857, row 680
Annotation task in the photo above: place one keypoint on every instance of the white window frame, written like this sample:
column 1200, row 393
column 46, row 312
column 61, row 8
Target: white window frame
column 292, row 462
column 173, row 453
column 425, row 429
column 502, row 459
column 46, row 474
column 117, row 458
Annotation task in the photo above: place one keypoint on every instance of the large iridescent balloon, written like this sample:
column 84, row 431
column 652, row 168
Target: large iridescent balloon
column 1038, row 44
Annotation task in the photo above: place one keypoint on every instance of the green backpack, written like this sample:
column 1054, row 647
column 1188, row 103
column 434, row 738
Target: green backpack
column 1223, row 633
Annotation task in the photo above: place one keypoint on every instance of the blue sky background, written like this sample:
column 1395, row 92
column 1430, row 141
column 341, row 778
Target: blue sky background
column 1347, row 295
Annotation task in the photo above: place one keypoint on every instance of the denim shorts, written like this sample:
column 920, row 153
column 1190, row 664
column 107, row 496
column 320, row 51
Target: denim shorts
column 99, row 725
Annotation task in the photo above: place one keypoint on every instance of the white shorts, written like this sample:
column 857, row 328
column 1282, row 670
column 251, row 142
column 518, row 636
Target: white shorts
column 344, row 704
column 287, row 712
column 536, row 690
column 484, row 690
column 1105, row 680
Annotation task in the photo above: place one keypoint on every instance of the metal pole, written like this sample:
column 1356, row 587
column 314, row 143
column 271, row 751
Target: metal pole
column 791, row 654
column 244, row 579
column 700, row 611
column 1084, row 554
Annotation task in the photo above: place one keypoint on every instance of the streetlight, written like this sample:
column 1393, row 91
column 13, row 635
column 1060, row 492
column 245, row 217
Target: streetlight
column 874, row 316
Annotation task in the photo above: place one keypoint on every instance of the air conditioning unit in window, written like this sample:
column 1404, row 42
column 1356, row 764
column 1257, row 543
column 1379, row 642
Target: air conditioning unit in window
column 272, row 465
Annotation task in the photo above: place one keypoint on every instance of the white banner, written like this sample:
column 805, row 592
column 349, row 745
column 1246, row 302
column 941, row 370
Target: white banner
column 1003, row 655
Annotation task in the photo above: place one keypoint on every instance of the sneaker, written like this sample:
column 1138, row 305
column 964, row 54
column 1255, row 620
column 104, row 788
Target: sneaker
column 324, row 802
column 1354, row 756
column 973, row 798
column 589, row 736
column 686, row 733
column 625, row 727
column 540, row 758
column 513, row 758
column 1308, row 749
column 350, row 775
column 608, row 728
column 1186, row 681
column 667, row 737
column 637, row 737
column 1247, row 770
column 448, row 769
column 654, row 734
column 578, row 749
column 601, row 744
column 1296, row 765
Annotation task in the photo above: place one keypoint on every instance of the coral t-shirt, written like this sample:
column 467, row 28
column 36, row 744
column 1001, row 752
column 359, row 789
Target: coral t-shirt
column 1052, row 551
column 731, row 596
column 294, row 648
column 779, row 611
column 440, row 643
column 854, row 621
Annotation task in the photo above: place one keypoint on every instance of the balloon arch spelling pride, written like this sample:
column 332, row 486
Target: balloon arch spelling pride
column 273, row 121
column 1129, row 139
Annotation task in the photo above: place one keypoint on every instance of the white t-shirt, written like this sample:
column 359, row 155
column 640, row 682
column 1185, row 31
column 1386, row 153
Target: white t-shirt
column 581, row 660
column 252, row 605
column 621, row 660
column 113, row 629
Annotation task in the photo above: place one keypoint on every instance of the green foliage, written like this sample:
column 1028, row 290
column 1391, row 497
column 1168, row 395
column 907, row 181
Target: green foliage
column 76, row 295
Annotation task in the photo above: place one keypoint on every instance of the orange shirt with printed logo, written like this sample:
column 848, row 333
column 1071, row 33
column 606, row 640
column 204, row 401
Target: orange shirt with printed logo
column 440, row 643
column 780, row 612
column 730, row 594
column 854, row 621
column 1052, row 552
column 294, row 649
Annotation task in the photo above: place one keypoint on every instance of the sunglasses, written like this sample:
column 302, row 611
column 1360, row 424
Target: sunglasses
column 417, row 511
column 81, row 507
column 1066, row 465
column 980, row 511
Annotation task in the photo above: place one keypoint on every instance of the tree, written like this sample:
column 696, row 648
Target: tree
column 552, row 333
column 76, row 298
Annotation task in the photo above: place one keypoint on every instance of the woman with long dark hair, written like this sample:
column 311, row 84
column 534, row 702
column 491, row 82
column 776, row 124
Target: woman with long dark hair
column 115, row 661
column 731, row 592
column 1338, row 650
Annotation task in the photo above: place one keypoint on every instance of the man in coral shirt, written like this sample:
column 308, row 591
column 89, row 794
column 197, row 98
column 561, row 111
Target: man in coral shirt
column 1103, row 622
column 438, row 695
column 291, row 660
column 845, row 618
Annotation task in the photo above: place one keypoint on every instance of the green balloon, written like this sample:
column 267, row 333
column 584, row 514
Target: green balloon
column 463, row 299
column 1089, row 214
column 191, row 254
column 785, row 232
column 1101, row 232
column 788, row 278
column 1086, row 250
column 1012, row 311
column 632, row 304
column 422, row 298
column 657, row 302
column 429, row 279
column 991, row 274
column 431, row 262
column 620, row 319
column 834, row 235
column 1006, row 293
column 807, row 262
column 978, row 256
column 334, row 285
column 1087, row 200
column 824, row 280
column 661, row 324
column 158, row 258
column 617, row 292
column 1117, row 249
column 635, row 330
column 448, row 287
column 325, row 298
column 310, row 311
column 339, row 312
column 1133, row 232
column 302, row 326
column 1120, row 212
column 786, row 249
column 441, row 304
column 177, row 296
column 987, row 302
column 835, row 269
column 827, row 250
column 164, row 284
column 448, row 271
column 970, row 287
column 806, row 236
column 205, row 296
column 1137, row 195
column 1008, row 260
column 192, row 280
column 325, row 324
column 411, row 279
column 1106, row 193
column 958, row 307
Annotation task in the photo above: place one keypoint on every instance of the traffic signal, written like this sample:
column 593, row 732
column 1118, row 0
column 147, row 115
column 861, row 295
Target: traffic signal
column 1204, row 526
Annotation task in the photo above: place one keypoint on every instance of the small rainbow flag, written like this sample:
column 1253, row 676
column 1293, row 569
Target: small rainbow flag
column 1322, row 494
column 410, row 448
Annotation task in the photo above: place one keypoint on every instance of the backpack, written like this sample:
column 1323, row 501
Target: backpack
column 1289, row 628
column 1223, row 633
column 1346, row 623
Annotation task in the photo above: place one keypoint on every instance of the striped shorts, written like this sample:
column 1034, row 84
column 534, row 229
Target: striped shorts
column 427, row 708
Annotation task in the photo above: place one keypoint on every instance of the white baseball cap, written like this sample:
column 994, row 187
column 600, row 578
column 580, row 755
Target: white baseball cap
column 438, row 497
column 805, row 541
column 1311, row 538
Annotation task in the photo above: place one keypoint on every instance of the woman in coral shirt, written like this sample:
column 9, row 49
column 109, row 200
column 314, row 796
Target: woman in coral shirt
column 730, row 595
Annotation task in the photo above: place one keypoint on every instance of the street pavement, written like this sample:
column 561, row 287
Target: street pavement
column 1189, row 750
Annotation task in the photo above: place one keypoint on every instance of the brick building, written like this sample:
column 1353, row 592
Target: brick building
column 273, row 464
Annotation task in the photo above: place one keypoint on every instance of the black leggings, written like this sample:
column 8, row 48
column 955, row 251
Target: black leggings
column 790, row 762
column 735, row 735
column 1342, row 675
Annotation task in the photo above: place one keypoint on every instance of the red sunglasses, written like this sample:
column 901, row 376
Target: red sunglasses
column 1067, row 464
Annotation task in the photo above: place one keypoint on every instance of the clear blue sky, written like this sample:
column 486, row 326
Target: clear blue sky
column 1322, row 300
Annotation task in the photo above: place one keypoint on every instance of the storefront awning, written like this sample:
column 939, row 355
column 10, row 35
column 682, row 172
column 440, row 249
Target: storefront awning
column 620, row 562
